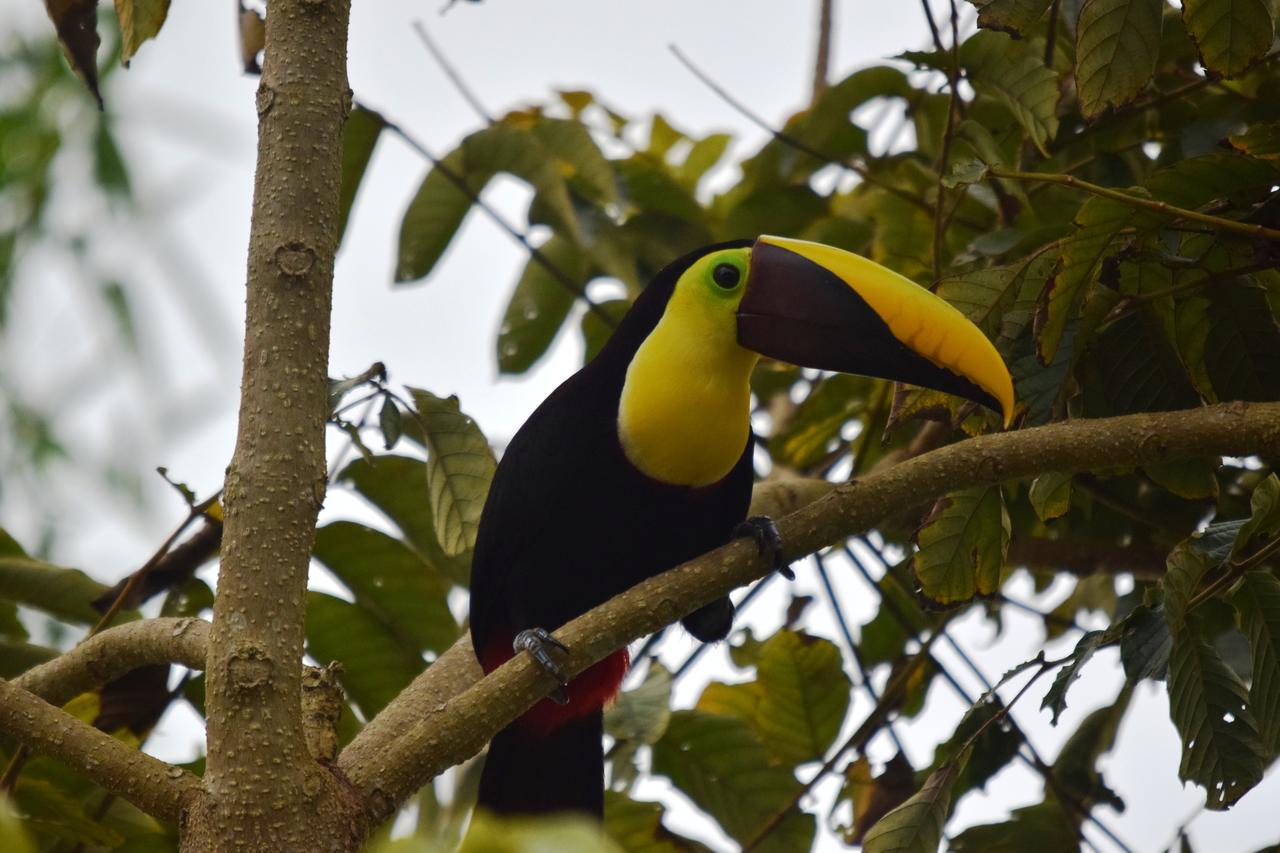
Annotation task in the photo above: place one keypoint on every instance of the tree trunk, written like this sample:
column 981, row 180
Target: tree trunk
column 262, row 789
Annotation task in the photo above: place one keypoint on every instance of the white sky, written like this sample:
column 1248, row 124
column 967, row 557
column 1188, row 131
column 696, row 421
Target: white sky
column 188, row 127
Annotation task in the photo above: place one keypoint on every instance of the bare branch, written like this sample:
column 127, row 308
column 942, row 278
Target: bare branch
column 152, row 785
column 107, row 656
column 452, row 730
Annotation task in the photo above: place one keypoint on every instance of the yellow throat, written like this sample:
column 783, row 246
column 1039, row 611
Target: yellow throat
column 685, row 411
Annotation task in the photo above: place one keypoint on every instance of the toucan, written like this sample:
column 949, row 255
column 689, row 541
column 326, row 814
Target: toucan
column 643, row 460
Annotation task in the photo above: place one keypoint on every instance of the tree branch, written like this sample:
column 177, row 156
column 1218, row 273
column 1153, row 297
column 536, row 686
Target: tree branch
column 393, row 767
column 152, row 785
column 107, row 656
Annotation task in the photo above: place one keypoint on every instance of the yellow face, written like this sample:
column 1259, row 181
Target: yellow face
column 685, row 409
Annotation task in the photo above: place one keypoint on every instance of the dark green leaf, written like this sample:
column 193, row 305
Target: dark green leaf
column 1013, row 72
column 1231, row 34
column 1221, row 750
column 16, row 657
column 376, row 666
column 540, row 304
column 1076, row 767
column 1117, row 43
column 397, row 485
column 595, row 331
column 1145, row 645
column 389, row 421
column 1258, row 603
column 435, row 214
column 1056, row 697
column 391, row 581
column 1264, row 516
column 1014, row 16
column 359, row 137
column 64, row 593
column 1045, row 828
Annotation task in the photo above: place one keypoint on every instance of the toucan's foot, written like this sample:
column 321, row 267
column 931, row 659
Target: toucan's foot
column 762, row 529
column 538, row 642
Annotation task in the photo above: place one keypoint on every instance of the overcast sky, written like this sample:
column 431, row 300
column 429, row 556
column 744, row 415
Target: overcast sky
column 188, row 126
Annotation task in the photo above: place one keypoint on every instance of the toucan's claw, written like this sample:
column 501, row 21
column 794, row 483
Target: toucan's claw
column 762, row 529
column 538, row 642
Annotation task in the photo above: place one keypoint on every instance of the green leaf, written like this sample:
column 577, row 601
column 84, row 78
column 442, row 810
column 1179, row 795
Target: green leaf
column 139, row 20
column 460, row 466
column 539, row 305
column 1260, row 140
column 397, row 485
column 1050, row 495
column 1231, row 35
column 1097, row 223
column 109, row 166
column 642, row 713
column 966, row 172
column 435, row 214
column 649, row 187
column 817, row 421
column 1145, row 645
column 962, row 545
column 389, row 421
column 1241, row 346
column 1192, row 479
column 1221, row 750
column 721, row 765
column 992, row 750
column 1258, row 603
column 916, row 825
column 376, row 666
column 804, row 695
column 13, row 836
column 578, row 157
column 1264, row 516
column 637, row 827
column 1184, row 569
column 562, row 833
column 391, row 581
column 1013, row 72
column 16, row 657
column 1139, row 370
column 1045, row 828
column 359, row 137
column 1014, row 16
column 595, row 331
column 518, row 150
column 1076, row 767
column 1056, row 697
column 776, row 210
column 1117, row 44
column 987, row 297
column 702, row 157
column 60, row 592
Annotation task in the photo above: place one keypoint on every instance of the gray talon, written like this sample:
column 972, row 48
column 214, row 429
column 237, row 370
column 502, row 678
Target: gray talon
column 765, row 533
column 538, row 642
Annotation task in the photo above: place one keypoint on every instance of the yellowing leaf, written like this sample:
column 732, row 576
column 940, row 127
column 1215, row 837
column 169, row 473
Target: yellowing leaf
column 139, row 21
column 962, row 545
column 1050, row 495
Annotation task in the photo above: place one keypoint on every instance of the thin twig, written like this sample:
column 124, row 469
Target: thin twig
column 514, row 233
column 787, row 139
column 822, row 58
column 1160, row 207
column 452, row 73
column 854, row 652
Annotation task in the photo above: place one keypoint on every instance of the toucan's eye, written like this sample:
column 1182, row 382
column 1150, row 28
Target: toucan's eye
column 726, row 276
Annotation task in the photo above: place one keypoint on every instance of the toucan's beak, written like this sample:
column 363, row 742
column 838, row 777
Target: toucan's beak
column 822, row 307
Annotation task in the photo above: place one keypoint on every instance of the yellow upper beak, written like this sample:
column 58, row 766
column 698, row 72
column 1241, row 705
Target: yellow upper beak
column 854, row 315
